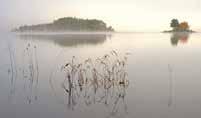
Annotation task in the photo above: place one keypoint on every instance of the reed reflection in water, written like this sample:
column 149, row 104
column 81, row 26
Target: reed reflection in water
column 160, row 84
column 27, row 72
column 30, row 72
column 100, row 81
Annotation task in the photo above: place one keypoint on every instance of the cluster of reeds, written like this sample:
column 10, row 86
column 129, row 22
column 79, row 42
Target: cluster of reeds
column 103, row 80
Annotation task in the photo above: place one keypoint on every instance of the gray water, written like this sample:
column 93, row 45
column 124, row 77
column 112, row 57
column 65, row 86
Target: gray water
column 163, row 75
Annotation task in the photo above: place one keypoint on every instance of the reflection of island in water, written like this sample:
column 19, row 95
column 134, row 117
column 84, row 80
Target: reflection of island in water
column 67, row 40
column 179, row 38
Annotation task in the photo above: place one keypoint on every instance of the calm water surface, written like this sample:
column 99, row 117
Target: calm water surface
column 156, row 75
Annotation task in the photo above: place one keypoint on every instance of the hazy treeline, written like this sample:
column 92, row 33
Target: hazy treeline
column 68, row 24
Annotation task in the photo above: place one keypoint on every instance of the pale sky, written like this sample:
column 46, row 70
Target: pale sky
column 123, row 15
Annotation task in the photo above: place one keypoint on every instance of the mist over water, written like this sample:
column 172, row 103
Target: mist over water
column 100, row 59
column 127, row 15
column 100, row 75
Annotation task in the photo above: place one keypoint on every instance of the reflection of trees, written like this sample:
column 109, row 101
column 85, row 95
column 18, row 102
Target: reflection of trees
column 67, row 40
column 103, row 80
column 74, row 40
column 179, row 37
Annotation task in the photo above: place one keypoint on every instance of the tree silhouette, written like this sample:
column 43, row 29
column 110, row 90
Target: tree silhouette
column 184, row 26
column 174, row 24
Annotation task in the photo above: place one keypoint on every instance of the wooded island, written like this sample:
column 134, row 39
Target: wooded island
column 179, row 27
column 68, row 24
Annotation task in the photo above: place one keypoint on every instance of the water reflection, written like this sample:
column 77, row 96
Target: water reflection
column 68, row 40
column 179, row 38
column 30, row 72
column 101, row 81
column 26, row 73
column 171, row 95
column 12, row 69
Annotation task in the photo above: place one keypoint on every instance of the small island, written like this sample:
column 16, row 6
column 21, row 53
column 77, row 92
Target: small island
column 67, row 24
column 179, row 27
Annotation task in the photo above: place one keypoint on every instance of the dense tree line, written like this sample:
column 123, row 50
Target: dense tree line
column 69, row 24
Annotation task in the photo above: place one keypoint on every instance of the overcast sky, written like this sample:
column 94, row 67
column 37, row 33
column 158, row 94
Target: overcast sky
column 123, row 15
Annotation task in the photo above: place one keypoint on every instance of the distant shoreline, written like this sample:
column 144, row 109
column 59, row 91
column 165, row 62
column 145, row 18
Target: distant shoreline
column 171, row 31
column 68, row 24
column 63, row 33
column 92, row 33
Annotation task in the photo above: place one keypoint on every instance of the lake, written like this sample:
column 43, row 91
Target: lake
column 100, row 75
